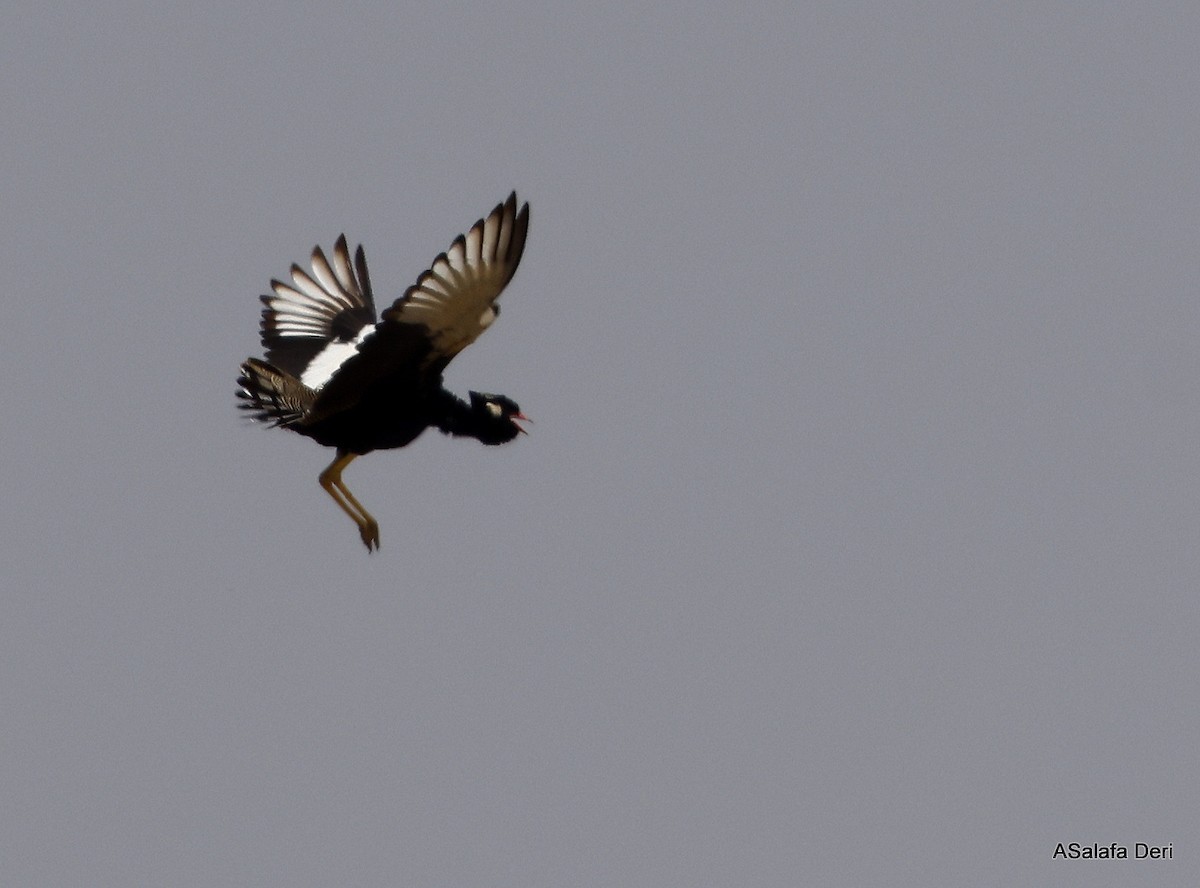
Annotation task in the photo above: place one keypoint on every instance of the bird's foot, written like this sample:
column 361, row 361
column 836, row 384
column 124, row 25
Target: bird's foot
column 369, row 531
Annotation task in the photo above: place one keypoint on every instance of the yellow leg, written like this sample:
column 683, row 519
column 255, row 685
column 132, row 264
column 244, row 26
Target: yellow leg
column 331, row 480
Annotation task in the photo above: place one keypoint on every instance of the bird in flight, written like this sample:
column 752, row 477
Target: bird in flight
column 337, row 373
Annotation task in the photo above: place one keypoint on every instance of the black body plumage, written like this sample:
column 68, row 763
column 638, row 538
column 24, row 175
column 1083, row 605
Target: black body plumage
column 336, row 373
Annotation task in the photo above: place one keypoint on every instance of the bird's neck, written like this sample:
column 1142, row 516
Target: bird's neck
column 454, row 416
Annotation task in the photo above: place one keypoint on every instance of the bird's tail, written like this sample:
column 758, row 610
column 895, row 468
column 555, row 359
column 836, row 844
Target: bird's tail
column 272, row 396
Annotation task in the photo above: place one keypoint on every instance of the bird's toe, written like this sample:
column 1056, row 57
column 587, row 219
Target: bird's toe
column 369, row 531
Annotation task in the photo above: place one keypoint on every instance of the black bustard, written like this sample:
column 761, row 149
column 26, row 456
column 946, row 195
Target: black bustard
column 347, row 378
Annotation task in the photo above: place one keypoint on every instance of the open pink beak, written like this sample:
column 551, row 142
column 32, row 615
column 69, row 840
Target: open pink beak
column 523, row 418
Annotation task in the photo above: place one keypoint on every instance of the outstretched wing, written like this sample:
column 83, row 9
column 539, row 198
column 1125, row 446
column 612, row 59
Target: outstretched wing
column 455, row 299
column 446, row 310
column 312, row 325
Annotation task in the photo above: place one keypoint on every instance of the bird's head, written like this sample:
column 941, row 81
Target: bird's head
column 497, row 416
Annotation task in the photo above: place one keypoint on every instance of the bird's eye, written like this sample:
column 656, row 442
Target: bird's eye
column 494, row 409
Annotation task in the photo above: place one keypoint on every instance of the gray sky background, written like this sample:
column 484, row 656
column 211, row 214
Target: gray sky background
column 856, row 539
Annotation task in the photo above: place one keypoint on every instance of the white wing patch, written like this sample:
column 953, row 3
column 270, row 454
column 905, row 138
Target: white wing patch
column 313, row 311
column 327, row 362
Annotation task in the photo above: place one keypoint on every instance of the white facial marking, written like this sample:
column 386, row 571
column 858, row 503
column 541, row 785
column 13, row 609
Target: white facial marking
column 494, row 409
